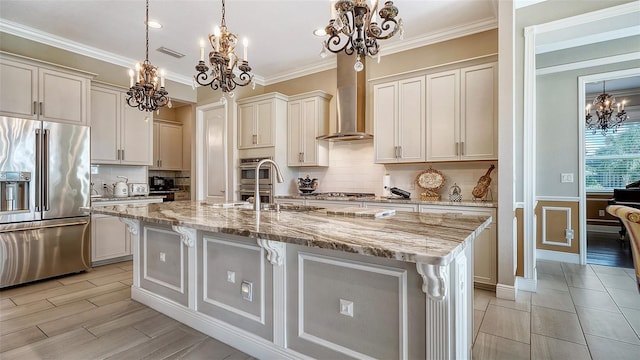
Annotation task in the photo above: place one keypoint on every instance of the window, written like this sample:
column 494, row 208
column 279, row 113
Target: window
column 613, row 161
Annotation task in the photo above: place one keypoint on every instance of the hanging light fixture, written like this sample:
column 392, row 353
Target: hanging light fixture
column 144, row 92
column 354, row 28
column 603, row 104
column 224, row 61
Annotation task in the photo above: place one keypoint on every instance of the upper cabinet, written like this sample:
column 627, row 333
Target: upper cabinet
column 120, row 134
column 399, row 120
column 258, row 119
column 167, row 146
column 462, row 114
column 308, row 118
column 31, row 90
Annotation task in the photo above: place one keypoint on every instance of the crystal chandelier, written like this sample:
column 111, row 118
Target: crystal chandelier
column 144, row 92
column 354, row 28
column 604, row 107
column 224, row 61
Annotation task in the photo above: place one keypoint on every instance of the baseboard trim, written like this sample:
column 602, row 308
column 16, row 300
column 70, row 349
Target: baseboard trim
column 527, row 284
column 557, row 256
column 507, row 292
column 233, row 336
column 604, row 228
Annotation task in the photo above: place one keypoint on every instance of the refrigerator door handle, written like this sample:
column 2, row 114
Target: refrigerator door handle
column 45, row 167
column 38, row 167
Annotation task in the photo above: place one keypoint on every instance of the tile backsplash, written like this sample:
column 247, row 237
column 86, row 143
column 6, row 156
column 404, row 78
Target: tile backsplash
column 107, row 175
column 352, row 169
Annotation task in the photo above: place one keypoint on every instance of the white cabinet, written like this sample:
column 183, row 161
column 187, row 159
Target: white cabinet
column 485, row 258
column 167, row 146
column 120, row 134
column 258, row 119
column 109, row 239
column 308, row 118
column 462, row 114
column 31, row 90
column 399, row 120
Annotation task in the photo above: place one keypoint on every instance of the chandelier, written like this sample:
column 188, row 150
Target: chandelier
column 143, row 91
column 604, row 107
column 354, row 28
column 224, row 61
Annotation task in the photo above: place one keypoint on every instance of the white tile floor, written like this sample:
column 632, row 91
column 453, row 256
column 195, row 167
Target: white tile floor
column 578, row 312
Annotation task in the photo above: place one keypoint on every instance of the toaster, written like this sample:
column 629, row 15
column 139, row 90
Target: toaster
column 137, row 189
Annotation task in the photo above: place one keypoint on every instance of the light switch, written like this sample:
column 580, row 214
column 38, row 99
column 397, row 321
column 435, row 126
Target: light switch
column 600, row 212
column 231, row 277
column 346, row 307
column 566, row 177
column 246, row 289
column 163, row 257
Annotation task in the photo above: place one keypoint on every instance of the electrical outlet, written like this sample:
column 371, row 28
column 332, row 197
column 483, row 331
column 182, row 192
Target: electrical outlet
column 600, row 212
column 346, row 307
column 566, row 177
column 568, row 234
column 246, row 290
column 231, row 277
column 163, row 257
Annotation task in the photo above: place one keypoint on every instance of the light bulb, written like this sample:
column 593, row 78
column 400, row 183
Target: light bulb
column 378, row 58
column 324, row 53
column 253, row 84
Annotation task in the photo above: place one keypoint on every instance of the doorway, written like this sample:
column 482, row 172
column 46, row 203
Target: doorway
column 211, row 153
column 609, row 160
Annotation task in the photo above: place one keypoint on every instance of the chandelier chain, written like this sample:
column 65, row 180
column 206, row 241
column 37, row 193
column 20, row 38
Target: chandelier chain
column 223, row 24
column 146, row 56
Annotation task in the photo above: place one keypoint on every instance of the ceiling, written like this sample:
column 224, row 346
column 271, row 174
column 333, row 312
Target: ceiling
column 280, row 32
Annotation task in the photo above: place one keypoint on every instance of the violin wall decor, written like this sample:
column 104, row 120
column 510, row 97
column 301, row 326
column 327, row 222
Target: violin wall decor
column 481, row 189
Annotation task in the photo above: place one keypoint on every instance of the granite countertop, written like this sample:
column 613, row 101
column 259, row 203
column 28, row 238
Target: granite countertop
column 108, row 198
column 395, row 200
column 412, row 237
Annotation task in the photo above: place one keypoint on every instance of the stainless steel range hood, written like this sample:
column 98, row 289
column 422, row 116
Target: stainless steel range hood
column 350, row 102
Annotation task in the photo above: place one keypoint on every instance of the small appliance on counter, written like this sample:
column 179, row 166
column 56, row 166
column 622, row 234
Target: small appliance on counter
column 307, row 186
column 159, row 183
column 402, row 193
column 120, row 188
column 138, row 189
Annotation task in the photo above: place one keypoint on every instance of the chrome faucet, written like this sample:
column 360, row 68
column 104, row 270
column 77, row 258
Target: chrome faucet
column 256, row 195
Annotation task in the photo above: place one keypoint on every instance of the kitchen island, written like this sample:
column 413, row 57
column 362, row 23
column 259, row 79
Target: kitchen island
column 304, row 283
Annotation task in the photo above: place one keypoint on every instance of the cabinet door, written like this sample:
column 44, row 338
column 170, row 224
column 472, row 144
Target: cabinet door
column 478, row 120
column 246, row 121
column 485, row 257
column 105, row 125
column 265, row 125
column 63, row 97
column 109, row 237
column 411, row 120
column 294, row 131
column 18, row 89
column 156, row 146
column 443, row 116
column 385, row 122
column 170, row 146
column 308, row 142
column 136, row 135
column 215, row 143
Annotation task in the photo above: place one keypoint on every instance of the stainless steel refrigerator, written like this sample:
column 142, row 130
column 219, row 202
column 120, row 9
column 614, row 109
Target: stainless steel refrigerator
column 44, row 183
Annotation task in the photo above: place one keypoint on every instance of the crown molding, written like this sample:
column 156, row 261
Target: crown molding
column 407, row 44
column 45, row 38
column 588, row 63
column 524, row 3
column 594, row 16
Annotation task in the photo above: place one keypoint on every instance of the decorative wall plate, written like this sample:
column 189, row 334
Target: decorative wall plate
column 430, row 180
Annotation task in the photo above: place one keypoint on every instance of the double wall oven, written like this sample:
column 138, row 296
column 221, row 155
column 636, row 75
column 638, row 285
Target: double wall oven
column 246, row 188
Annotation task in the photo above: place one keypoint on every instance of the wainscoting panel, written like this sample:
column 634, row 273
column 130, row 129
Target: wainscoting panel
column 164, row 263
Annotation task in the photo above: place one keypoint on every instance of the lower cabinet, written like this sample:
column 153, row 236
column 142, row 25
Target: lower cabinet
column 110, row 240
column 393, row 206
column 485, row 255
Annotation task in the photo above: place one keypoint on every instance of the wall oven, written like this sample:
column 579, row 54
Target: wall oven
column 248, row 172
column 266, row 194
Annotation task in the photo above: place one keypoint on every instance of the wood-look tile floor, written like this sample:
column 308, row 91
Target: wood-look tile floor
column 577, row 312
column 91, row 316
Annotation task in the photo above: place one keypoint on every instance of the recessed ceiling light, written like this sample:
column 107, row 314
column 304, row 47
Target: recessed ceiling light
column 154, row 24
